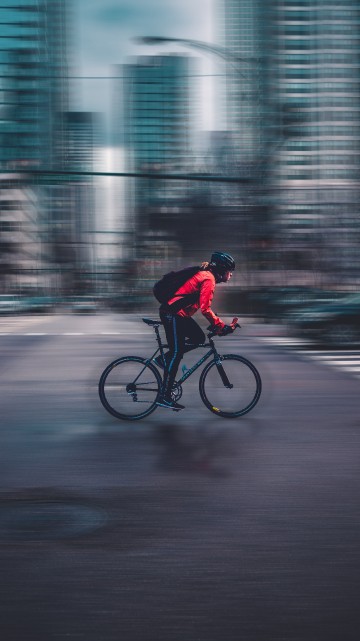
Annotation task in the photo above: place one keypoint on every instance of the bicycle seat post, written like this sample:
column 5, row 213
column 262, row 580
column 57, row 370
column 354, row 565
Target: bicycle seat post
column 157, row 333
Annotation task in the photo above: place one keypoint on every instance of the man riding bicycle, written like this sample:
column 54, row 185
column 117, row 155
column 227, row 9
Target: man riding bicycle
column 176, row 316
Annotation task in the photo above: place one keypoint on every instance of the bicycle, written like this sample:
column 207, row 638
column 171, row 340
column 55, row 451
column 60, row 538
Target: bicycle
column 229, row 385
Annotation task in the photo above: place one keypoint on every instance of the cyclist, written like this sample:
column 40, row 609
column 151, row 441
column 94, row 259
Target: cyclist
column 179, row 324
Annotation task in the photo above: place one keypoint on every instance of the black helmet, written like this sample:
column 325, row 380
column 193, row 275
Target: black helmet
column 222, row 262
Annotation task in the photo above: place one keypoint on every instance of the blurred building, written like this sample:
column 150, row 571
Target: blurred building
column 33, row 58
column 22, row 257
column 83, row 136
column 242, row 31
column 33, row 95
column 158, row 117
column 292, row 107
column 315, row 169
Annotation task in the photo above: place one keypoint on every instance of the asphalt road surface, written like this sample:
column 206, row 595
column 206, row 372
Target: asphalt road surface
column 184, row 526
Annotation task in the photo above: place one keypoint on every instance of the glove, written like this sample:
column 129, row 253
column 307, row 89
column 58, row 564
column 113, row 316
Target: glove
column 215, row 329
column 227, row 329
column 224, row 331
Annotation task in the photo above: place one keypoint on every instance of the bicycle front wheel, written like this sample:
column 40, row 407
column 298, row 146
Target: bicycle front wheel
column 231, row 389
column 129, row 388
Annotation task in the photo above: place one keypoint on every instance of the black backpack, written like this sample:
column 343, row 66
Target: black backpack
column 166, row 287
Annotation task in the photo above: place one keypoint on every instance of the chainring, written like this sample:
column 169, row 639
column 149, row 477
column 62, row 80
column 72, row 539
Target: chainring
column 176, row 392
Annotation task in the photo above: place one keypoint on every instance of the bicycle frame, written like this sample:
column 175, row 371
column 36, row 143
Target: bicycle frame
column 212, row 352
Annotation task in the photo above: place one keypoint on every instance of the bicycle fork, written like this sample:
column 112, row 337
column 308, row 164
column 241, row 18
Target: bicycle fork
column 222, row 373
column 220, row 367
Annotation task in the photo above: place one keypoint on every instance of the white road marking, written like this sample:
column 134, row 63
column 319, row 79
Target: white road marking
column 73, row 333
column 33, row 334
column 344, row 360
column 18, row 325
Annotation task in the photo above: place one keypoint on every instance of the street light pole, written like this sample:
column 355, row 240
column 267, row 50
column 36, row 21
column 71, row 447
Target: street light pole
column 221, row 52
column 256, row 100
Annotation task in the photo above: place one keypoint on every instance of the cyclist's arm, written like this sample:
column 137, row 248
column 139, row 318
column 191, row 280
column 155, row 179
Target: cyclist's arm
column 206, row 296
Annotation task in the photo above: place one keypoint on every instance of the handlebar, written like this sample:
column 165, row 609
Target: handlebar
column 234, row 324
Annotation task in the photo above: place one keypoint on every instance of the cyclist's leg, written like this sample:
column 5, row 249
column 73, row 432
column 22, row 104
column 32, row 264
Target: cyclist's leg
column 193, row 333
column 176, row 341
column 187, row 329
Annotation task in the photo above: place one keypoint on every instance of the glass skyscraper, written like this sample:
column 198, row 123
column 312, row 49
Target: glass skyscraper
column 317, row 80
column 242, row 29
column 316, row 47
column 305, row 101
column 82, row 139
column 33, row 90
column 33, row 96
column 158, row 124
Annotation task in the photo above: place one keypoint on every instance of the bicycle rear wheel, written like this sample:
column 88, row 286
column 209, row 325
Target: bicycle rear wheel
column 243, row 394
column 129, row 388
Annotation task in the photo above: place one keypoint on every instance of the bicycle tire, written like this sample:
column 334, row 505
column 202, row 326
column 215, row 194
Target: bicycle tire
column 119, row 395
column 246, row 389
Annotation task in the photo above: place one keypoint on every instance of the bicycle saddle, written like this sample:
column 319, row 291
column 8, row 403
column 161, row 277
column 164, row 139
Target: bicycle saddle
column 154, row 323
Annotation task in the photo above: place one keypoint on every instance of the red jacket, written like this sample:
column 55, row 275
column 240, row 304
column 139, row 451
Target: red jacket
column 204, row 283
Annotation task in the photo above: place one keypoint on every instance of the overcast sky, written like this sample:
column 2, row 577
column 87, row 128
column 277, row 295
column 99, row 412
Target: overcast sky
column 103, row 32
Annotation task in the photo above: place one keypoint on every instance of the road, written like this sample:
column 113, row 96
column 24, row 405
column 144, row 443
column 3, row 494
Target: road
column 183, row 526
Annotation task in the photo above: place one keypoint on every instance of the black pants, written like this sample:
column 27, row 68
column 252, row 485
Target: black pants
column 177, row 330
